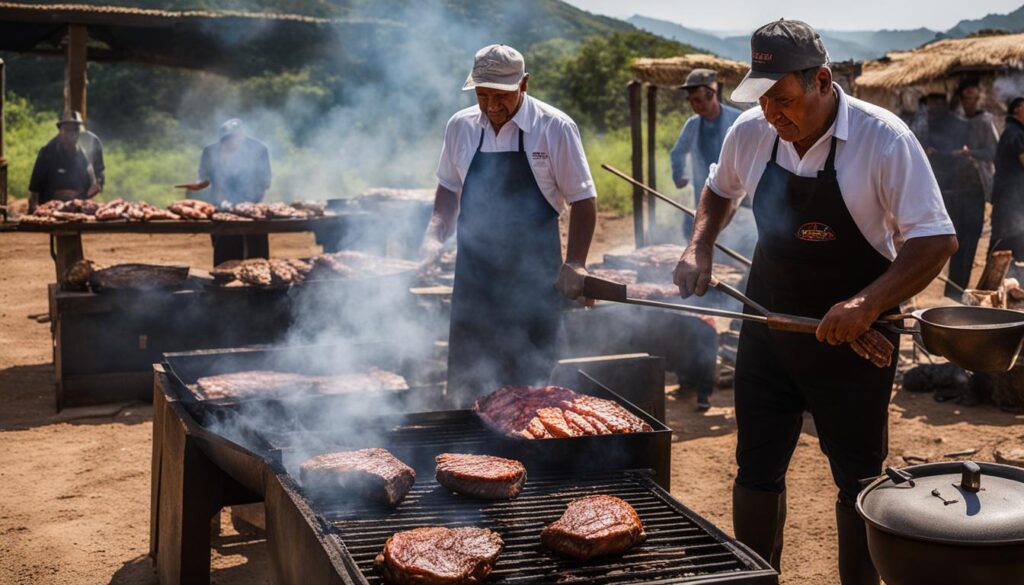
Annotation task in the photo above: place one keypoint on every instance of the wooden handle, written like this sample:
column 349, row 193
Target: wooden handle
column 792, row 323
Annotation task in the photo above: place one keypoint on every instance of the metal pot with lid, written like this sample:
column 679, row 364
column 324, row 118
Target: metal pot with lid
column 938, row 523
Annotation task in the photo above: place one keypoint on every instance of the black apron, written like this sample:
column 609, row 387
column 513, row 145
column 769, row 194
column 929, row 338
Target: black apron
column 810, row 255
column 505, row 309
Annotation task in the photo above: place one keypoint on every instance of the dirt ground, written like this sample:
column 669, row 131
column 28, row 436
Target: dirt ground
column 74, row 487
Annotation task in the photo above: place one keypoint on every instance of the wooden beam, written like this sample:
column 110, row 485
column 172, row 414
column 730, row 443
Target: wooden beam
column 75, row 73
column 636, row 133
column 652, row 157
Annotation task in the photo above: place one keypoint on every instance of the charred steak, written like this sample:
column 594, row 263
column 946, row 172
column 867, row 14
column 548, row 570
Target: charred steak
column 594, row 526
column 481, row 476
column 435, row 555
column 371, row 473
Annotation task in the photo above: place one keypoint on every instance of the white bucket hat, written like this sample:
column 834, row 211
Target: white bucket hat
column 497, row 67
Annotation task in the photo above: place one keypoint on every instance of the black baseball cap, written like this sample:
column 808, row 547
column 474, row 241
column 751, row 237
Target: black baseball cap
column 1013, row 103
column 777, row 49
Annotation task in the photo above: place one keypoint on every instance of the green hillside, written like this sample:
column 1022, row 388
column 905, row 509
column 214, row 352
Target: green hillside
column 372, row 114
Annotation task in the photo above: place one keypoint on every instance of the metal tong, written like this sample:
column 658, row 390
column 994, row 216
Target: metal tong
column 871, row 346
column 606, row 290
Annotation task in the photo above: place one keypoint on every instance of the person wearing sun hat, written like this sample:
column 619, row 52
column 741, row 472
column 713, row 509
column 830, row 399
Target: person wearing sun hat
column 833, row 180
column 510, row 165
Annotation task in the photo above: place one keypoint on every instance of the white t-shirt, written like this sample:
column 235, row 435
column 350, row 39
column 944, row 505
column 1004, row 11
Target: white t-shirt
column 884, row 175
column 550, row 138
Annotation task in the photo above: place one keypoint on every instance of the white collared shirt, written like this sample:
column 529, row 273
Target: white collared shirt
column 550, row 138
column 884, row 175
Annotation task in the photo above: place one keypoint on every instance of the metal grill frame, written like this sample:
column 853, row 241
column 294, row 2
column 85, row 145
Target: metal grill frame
column 358, row 532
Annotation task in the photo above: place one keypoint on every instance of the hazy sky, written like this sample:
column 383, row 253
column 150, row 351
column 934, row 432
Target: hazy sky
column 738, row 15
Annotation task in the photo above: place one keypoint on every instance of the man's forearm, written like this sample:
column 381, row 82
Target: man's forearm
column 33, row 201
column 713, row 214
column 582, row 220
column 918, row 263
column 446, row 209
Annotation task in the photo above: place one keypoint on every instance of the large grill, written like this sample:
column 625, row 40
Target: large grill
column 680, row 547
column 335, row 541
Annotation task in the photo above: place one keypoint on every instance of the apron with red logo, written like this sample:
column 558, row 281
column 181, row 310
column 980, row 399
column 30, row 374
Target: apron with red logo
column 810, row 255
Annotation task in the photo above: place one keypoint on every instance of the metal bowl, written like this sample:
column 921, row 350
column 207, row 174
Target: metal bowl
column 979, row 339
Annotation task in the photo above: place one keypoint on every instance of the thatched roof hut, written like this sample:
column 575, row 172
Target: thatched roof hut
column 672, row 72
column 900, row 78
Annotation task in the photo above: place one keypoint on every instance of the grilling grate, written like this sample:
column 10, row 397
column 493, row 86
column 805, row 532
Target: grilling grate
column 680, row 547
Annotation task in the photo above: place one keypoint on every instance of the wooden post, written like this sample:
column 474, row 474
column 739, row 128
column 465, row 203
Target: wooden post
column 636, row 134
column 75, row 73
column 3, row 158
column 652, row 157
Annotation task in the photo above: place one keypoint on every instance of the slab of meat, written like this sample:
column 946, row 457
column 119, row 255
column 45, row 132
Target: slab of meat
column 554, row 412
column 38, row 220
column 254, row 383
column 111, row 210
column 227, row 216
column 138, row 276
column 192, row 209
column 252, row 210
column 435, row 555
column 372, row 381
column 374, row 474
column 283, row 210
column 255, row 271
column 312, row 208
column 70, row 210
column 86, row 206
column 480, row 476
column 70, row 216
column 594, row 526
column 45, row 209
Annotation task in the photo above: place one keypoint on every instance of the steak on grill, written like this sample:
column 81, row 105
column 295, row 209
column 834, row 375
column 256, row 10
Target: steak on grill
column 138, row 276
column 253, row 383
column 434, row 555
column 554, row 412
column 481, row 476
column 374, row 380
column 594, row 526
column 374, row 474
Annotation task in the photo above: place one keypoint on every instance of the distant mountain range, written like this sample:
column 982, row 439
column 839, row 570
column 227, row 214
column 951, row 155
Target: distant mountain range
column 842, row 45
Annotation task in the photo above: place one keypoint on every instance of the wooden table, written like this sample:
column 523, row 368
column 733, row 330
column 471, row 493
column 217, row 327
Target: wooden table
column 66, row 238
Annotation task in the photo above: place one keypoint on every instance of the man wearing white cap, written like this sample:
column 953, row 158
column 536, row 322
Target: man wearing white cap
column 833, row 180
column 509, row 167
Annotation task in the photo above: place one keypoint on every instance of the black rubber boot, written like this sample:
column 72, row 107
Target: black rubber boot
column 855, row 566
column 758, row 519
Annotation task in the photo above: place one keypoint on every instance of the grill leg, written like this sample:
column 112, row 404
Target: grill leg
column 188, row 492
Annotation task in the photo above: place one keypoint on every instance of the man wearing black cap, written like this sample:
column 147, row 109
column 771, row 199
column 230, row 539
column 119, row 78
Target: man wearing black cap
column 1008, row 184
column 833, row 179
column 702, row 134
column 62, row 169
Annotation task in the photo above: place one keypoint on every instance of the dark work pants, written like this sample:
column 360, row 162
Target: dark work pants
column 966, row 208
column 240, row 247
column 773, row 389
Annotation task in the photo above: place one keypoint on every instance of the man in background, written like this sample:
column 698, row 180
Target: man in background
column 973, row 180
column 1008, row 184
column 237, row 170
column 702, row 134
column 62, row 169
column 947, row 137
